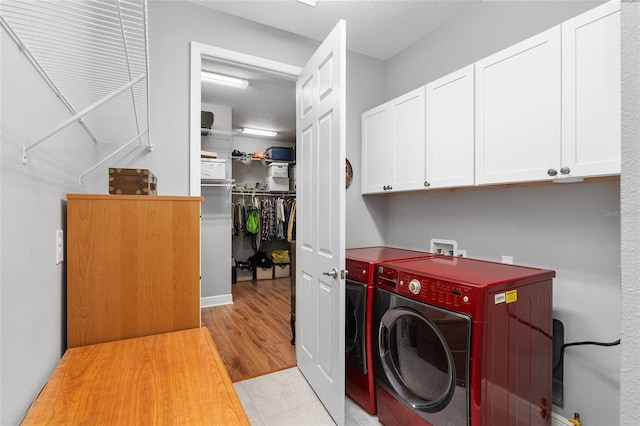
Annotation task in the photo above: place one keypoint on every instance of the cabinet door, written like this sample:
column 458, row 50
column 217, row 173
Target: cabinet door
column 377, row 149
column 518, row 122
column 409, row 141
column 591, row 92
column 450, row 130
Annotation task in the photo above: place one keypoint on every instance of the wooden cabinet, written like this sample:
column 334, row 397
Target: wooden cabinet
column 591, row 116
column 133, row 266
column 518, row 111
column 393, row 145
column 450, row 130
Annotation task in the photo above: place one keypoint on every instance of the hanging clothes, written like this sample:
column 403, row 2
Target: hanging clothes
column 291, row 228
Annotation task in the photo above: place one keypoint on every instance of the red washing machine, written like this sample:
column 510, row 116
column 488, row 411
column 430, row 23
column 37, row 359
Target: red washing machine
column 360, row 286
column 463, row 342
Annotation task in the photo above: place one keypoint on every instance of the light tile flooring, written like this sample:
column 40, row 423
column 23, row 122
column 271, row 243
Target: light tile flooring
column 285, row 398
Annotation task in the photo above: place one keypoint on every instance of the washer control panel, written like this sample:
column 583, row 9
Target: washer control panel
column 432, row 290
column 415, row 286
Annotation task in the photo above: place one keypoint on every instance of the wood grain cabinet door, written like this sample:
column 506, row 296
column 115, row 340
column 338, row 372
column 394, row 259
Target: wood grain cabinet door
column 133, row 266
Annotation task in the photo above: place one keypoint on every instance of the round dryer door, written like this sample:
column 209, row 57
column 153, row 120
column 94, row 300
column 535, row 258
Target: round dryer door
column 417, row 359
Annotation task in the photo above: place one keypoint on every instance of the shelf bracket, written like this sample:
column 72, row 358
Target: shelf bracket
column 79, row 115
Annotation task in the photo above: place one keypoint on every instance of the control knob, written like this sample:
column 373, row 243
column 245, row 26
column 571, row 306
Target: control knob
column 415, row 286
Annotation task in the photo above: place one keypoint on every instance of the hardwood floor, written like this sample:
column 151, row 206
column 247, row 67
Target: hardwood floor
column 253, row 335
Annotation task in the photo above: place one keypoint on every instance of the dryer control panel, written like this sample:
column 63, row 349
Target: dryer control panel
column 358, row 271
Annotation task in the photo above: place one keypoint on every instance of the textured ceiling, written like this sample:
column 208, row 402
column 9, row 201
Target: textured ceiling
column 376, row 28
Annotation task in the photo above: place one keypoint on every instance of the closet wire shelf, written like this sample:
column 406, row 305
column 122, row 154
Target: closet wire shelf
column 93, row 54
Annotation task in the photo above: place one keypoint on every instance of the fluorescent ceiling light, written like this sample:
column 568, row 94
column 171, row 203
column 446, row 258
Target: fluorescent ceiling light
column 259, row 132
column 311, row 3
column 224, row 80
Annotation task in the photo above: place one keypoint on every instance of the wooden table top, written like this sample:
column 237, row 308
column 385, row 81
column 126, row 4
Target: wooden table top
column 164, row 379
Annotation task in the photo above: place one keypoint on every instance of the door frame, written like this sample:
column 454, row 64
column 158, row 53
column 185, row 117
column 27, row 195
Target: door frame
column 198, row 51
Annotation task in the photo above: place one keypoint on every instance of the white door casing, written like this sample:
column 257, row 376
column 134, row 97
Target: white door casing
column 320, row 245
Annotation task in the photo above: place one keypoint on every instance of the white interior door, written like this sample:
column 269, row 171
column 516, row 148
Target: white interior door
column 320, row 295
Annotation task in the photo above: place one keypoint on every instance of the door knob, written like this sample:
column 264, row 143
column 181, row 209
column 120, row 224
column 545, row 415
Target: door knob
column 565, row 170
column 333, row 273
column 552, row 172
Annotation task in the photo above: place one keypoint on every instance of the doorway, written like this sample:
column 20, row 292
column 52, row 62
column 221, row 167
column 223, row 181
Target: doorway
column 250, row 317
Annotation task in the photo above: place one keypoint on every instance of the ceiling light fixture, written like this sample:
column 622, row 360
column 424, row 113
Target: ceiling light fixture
column 311, row 3
column 259, row 132
column 224, row 80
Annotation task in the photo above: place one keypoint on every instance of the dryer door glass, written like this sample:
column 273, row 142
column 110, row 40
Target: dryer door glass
column 417, row 358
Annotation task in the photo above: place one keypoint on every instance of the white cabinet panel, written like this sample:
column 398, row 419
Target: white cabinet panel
column 409, row 138
column 591, row 92
column 377, row 153
column 393, row 145
column 450, row 130
column 518, row 121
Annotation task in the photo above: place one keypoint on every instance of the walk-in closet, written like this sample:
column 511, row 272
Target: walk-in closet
column 248, row 183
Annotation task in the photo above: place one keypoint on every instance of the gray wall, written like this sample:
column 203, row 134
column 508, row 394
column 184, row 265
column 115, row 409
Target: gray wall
column 485, row 29
column 573, row 229
column 33, row 196
column 216, row 220
column 630, row 219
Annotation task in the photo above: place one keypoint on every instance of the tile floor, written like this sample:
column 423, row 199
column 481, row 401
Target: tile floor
column 285, row 398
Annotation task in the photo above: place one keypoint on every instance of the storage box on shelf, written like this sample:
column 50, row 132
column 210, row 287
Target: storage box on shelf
column 278, row 170
column 277, row 184
column 280, row 153
column 213, row 168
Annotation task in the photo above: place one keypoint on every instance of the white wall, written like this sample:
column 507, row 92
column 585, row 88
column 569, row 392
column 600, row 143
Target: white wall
column 573, row 229
column 33, row 317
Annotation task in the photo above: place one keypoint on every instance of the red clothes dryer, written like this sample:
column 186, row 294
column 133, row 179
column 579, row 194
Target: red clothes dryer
column 360, row 285
column 463, row 342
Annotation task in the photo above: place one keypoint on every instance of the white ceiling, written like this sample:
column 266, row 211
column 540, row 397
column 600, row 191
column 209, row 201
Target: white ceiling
column 376, row 28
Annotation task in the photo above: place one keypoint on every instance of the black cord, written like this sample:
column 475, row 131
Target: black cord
column 566, row 345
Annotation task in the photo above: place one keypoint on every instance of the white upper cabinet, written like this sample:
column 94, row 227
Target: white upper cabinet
column 450, row 130
column 377, row 137
column 591, row 93
column 518, row 111
column 393, row 145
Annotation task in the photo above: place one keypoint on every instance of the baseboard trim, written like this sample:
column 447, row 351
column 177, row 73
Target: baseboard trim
column 558, row 420
column 207, row 302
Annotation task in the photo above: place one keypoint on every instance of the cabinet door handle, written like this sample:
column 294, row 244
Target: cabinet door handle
column 552, row 172
column 427, row 184
column 565, row 170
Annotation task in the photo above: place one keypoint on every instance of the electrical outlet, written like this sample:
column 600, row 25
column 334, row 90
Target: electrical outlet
column 507, row 259
column 462, row 253
column 59, row 247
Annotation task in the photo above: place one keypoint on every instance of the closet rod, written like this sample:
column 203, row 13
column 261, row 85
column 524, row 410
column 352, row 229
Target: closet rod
column 113, row 154
column 263, row 194
column 23, row 48
column 80, row 115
